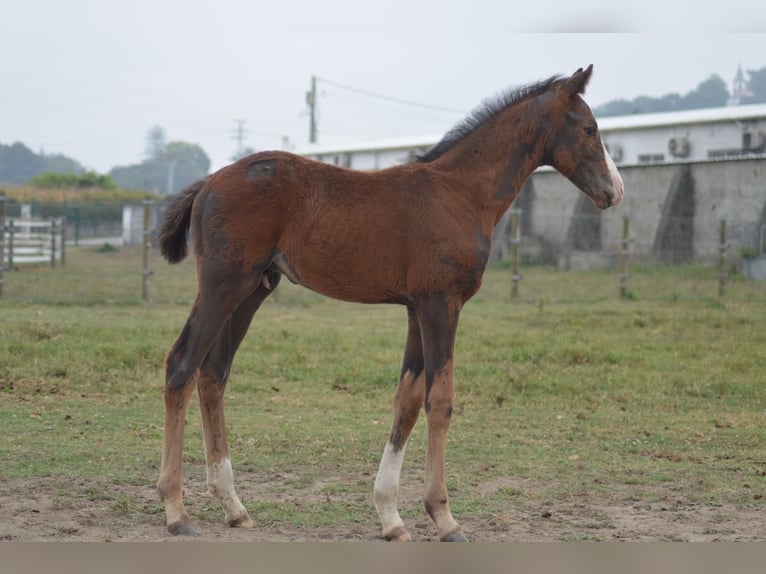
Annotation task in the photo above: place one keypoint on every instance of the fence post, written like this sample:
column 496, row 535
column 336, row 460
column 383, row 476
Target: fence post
column 722, row 246
column 147, row 245
column 515, row 241
column 624, row 245
column 62, row 239
column 77, row 226
column 53, row 242
column 2, row 240
column 11, row 225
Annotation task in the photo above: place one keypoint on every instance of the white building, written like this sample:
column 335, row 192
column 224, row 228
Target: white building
column 669, row 137
column 691, row 135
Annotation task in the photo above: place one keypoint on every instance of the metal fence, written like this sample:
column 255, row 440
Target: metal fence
column 613, row 241
column 86, row 222
column 731, row 249
column 29, row 241
column 36, row 234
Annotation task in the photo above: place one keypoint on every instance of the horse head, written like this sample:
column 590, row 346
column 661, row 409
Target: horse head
column 574, row 146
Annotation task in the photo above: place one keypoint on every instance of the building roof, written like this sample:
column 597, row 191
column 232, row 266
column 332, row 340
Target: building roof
column 382, row 144
column 608, row 124
column 684, row 117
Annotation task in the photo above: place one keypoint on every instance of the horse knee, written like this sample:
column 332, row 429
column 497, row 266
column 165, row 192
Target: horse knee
column 177, row 378
column 211, row 388
column 439, row 412
column 179, row 382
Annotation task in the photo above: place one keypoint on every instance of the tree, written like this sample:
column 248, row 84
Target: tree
column 58, row 163
column 708, row 94
column 19, row 164
column 757, row 86
column 614, row 108
column 191, row 154
column 669, row 102
column 155, row 142
column 711, row 93
column 184, row 163
column 168, row 170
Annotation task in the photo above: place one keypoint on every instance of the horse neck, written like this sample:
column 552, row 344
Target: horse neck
column 496, row 159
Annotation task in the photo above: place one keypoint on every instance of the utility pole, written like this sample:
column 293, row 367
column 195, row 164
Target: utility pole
column 171, row 174
column 311, row 100
column 239, row 137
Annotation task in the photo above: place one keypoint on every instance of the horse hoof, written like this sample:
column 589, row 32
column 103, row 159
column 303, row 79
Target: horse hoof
column 398, row 535
column 456, row 537
column 182, row 529
column 243, row 521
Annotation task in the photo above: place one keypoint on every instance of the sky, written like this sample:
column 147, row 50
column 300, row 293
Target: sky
column 90, row 78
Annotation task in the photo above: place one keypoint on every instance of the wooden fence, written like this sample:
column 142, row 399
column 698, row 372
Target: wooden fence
column 723, row 247
column 28, row 241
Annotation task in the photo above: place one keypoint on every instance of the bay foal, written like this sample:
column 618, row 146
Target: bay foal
column 417, row 235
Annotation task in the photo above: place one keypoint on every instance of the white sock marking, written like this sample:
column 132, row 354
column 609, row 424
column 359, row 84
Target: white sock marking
column 386, row 494
column 220, row 482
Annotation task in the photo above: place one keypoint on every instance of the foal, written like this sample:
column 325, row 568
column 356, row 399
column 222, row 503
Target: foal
column 417, row 235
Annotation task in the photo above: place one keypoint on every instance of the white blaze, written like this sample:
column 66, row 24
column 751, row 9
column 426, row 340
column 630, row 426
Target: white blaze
column 619, row 188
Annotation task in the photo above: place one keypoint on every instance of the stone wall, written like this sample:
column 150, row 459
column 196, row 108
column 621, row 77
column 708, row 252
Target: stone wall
column 674, row 212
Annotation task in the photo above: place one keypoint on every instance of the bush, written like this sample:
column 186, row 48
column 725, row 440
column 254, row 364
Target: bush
column 89, row 179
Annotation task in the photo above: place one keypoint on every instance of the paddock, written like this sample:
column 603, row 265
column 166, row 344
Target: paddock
column 581, row 415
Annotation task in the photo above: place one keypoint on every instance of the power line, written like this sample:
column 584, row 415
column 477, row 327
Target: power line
column 391, row 99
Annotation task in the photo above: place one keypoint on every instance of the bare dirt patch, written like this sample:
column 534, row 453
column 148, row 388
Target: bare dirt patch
column 47, row 509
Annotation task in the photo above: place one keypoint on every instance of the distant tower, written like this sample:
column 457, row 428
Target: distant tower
column 738, row 88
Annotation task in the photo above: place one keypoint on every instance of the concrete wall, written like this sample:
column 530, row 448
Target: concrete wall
column 133, row 223
column 656, row 198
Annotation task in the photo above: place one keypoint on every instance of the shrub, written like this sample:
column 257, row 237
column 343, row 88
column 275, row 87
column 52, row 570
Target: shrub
column 89, row 179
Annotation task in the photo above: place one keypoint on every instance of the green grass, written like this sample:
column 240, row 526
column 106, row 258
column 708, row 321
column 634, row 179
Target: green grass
column 570, row 389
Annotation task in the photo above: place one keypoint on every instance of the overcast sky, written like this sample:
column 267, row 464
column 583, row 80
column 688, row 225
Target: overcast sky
column 89, row 78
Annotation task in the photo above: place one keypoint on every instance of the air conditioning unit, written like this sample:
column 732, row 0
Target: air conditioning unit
column 679, row 147
column 615, row 151
column 753, row 141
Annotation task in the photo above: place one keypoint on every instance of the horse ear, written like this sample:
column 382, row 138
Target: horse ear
column 577, row 82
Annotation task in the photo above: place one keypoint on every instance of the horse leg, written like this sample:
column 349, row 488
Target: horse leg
column 171, row 477
column 438, row 323
column 209, row 313
column 407, row 403
column 211, row 384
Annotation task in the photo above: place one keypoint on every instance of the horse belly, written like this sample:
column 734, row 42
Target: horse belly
column 363, row 272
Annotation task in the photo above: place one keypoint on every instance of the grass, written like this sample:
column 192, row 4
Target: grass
column 570, row 390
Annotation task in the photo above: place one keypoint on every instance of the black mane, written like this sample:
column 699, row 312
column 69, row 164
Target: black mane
column 487, row 110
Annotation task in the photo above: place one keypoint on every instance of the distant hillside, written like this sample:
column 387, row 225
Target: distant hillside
column 711, row 93
column 19, row 164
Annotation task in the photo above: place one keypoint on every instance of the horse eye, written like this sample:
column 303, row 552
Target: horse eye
column 590, row 130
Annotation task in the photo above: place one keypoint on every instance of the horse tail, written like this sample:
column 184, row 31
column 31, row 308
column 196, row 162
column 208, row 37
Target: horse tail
column 172, row 238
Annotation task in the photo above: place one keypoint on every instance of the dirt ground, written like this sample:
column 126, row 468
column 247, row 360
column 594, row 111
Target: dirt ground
column 44, row 509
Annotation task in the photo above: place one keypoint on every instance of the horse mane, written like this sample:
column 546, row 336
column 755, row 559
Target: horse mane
column 487, row 110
